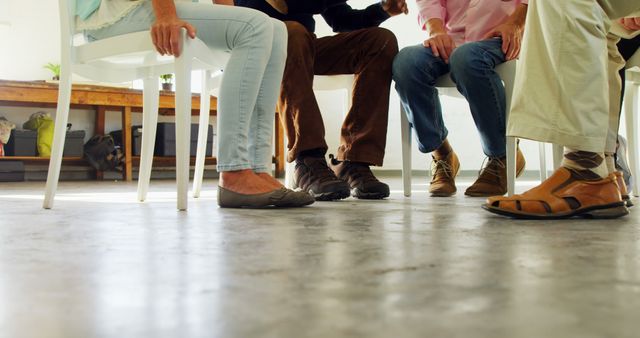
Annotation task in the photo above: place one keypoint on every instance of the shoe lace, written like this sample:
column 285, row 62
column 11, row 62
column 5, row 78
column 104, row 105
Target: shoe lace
column 319, row 169
column 361, row 172
column 494, row 168
column 441, row 169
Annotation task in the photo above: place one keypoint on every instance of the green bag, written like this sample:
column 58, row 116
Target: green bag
column 44, row 125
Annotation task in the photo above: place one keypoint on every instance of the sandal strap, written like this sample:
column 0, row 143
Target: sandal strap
column 561, row 193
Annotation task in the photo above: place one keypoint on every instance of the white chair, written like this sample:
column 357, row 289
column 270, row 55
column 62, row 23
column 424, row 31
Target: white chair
column 125, row 58
column 326, row 83
column 446, row 86
column 212, row 85
column 631, row 110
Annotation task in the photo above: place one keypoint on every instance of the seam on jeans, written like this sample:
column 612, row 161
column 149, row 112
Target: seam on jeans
column 242, row 87
column 258, row 139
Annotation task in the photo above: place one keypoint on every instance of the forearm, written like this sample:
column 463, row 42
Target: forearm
column 164, row 9
column 436, row 26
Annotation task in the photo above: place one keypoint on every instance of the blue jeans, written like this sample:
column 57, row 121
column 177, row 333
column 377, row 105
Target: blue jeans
column 472, row 68
column 251, row 81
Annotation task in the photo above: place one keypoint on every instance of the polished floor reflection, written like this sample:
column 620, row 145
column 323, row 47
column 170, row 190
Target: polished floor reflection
column 102, row 265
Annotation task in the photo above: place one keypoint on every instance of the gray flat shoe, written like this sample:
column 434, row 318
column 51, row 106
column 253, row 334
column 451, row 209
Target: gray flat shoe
column 282, row 198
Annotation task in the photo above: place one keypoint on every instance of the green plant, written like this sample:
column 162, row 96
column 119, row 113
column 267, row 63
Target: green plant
column 55, row 69
column 166, row 78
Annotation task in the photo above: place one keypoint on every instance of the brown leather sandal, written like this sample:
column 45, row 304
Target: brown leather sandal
column 563, row 195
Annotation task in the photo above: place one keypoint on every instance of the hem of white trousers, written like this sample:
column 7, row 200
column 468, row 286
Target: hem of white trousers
column 550, row 135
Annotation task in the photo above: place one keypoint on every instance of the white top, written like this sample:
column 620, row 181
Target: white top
column 111, row 11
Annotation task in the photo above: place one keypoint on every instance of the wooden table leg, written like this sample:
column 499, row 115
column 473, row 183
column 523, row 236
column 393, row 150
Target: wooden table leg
column 99, row 130
column 127, row 173
column 280, row 153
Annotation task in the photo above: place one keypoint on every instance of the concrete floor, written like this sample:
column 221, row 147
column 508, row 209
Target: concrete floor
column 102, row 265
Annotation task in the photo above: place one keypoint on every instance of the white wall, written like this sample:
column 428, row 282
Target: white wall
column 32, row 40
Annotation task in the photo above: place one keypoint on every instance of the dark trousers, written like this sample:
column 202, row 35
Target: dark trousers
column 627, row 47
column 367, row 53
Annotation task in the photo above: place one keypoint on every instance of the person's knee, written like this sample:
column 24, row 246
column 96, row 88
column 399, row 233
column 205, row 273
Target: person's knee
column 279, row 38
column 385, row 41
column 298, row 35
column 257, row 29
column 411, row 65
column 404, row 65
column 467, row 59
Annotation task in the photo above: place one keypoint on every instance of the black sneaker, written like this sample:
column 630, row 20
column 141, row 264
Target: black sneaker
column 363, row 183
column 313, row 175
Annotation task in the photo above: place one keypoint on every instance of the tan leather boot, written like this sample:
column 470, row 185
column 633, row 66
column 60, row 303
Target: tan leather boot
column 492, row 180
column 443, row 174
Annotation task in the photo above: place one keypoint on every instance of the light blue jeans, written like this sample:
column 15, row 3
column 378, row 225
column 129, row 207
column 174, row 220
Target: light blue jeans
column 250, row 82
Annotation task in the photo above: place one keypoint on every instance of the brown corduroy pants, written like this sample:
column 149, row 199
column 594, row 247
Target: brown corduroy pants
column 367, row 53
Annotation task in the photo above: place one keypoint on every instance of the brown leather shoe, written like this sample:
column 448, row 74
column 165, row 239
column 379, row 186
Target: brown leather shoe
column 363, row 184
column 563, row 195
column 624, row 193
column 492, row 180
column 313, row 175
column 443, row 175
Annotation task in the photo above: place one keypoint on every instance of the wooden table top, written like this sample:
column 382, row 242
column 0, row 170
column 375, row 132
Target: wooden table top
column 28, row 93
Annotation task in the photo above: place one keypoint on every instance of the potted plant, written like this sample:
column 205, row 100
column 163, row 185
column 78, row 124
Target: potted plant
column 55, row 69
column 167, row 81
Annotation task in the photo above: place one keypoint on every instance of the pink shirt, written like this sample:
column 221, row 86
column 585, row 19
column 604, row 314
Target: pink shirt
column 467, row 20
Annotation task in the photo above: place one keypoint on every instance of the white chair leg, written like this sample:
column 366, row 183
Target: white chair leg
column 289, row 168
column 59, row 135
column 543, row 160
column 508, row 74
column 405, row 134
column 631, row 107
column 151, row 97
column 203, row 129
column 183, row 125
column 511, row 165
column 558, row 153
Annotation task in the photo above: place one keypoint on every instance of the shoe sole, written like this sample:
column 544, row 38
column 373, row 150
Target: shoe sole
column 607, row 211
column 325, row 196
column 480, row 194
column 293, row 205
column 329, row 196
column 369, row 195
column 441, row 194
column 230, row 199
